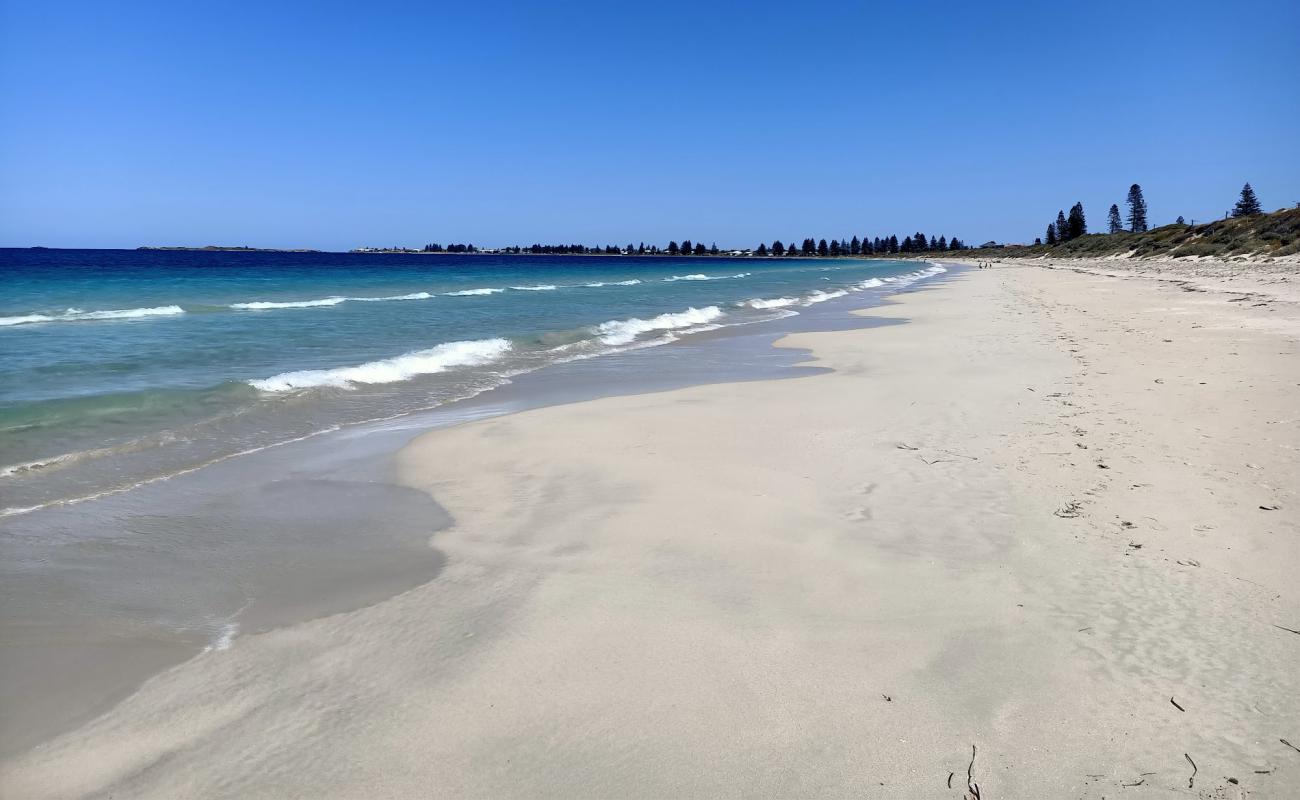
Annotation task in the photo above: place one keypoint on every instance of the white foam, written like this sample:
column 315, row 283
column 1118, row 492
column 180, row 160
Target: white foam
column 543, row 288
column 324, row 302
column 598, row 284
column 390, row 370
column 266, row 305
column 75, row 314
column 821, row 297
column 25, row 319
column 412, row 296
column 224, row 638
column 913, row 277
column 473, row 292
column 700, row 276
column 871, row 283
column 776, row 302
column 624, row 331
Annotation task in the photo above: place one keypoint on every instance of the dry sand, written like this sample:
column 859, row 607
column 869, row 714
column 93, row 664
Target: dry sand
column 1030, row 520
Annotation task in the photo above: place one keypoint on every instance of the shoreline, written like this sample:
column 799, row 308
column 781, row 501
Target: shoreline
column 988, row 526
column 127, row 652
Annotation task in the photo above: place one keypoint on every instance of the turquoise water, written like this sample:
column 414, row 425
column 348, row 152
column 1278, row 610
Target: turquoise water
column 123, row 367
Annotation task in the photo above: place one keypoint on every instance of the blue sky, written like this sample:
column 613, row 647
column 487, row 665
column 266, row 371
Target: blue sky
column 336, row 125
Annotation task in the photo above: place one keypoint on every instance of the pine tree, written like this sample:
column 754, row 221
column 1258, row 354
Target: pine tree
column 778, row 249
column 1248, row 204
column 672, row 248
column 1062, row 231
column 1114, row 223
column 1051, row 234
column 700, row 249
column 893, row 243
column 713, row 249
column 943, row 242
column 823, row 249
column 855, row 246
column 1077, row 223
column 1137, row 209
column 687, row 247
column 762, row 250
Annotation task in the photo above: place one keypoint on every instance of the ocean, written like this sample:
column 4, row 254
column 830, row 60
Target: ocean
column 196, row 446
column 123, row 367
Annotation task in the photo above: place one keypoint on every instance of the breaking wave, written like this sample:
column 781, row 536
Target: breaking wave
column 269, row 305
column 617, row 332
column 473, row 292
column 76, row 314
column 390, row 370
column 760, row 303
column 700, row 276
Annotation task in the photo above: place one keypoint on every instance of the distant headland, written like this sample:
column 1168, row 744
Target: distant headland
column 215, row 248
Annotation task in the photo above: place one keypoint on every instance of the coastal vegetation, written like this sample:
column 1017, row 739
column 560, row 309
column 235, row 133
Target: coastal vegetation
column 1249, row 234
column 1244, row 230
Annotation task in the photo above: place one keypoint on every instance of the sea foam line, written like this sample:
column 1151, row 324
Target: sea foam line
column 700, row 276
column 474, row 292
column 597, row 284
column 77, row 314
column 390, row 370
column 13, row 511
column 624, row 331
column 324, row 302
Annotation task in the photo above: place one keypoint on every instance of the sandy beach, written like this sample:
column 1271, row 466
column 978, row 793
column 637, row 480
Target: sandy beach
column 1043, row 533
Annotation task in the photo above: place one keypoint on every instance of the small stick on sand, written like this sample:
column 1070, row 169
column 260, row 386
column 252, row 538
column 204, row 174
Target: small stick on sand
column 971, row 785
column 1180, row 708
column 1192, row 777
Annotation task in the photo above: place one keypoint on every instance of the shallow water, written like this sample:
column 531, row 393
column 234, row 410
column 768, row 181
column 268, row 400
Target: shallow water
column 97, row 595
column 120, row 367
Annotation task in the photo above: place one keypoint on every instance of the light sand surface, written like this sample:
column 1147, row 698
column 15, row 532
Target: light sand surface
column 1024, row 521
column 1251, row 279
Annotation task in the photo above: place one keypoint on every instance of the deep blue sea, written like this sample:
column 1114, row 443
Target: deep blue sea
column 119, row 367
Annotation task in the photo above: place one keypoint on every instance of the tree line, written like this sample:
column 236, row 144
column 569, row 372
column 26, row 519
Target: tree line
column 808, row 248
column 1064, row 228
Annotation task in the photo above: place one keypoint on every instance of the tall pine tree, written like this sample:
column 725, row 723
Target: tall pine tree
column 1062, row 230
column 1051, row 233
column 1137, row 209
column 1248, row 204
column 1077, row 224
column 1116, row 225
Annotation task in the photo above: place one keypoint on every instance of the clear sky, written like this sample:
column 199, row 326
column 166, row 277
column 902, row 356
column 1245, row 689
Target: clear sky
column 334, row 125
